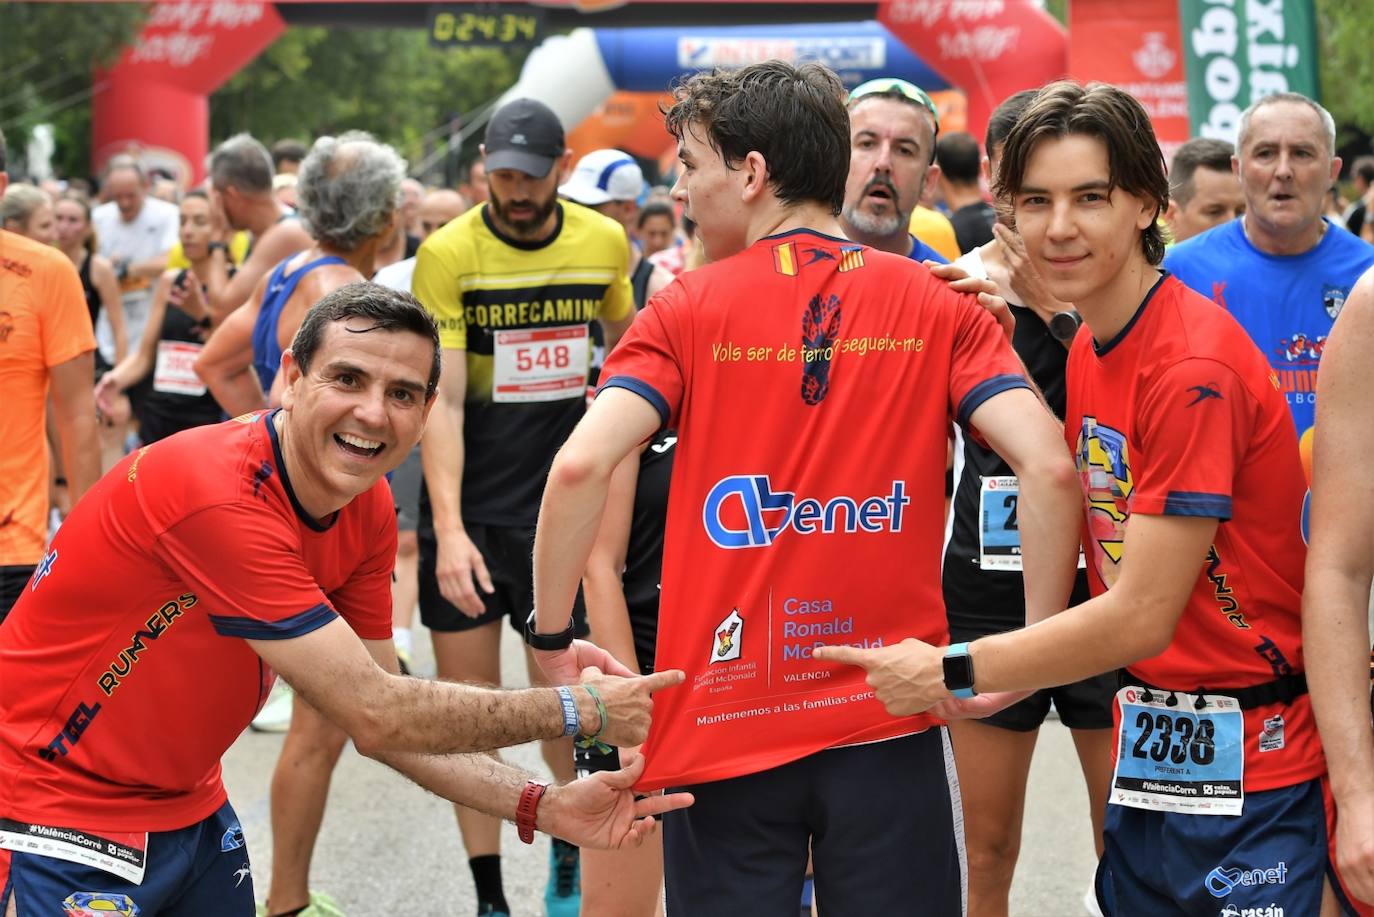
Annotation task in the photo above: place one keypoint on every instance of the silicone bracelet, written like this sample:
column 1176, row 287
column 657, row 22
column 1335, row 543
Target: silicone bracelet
column 572, row 721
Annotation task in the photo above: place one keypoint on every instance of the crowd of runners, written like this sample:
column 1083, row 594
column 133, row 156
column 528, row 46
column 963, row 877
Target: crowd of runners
column 823, row 475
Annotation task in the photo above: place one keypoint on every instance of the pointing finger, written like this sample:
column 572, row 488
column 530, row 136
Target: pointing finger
column 665, row 679
column 845, row 655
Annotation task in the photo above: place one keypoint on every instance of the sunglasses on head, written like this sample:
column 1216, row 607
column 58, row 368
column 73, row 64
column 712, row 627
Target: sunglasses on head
column 891, row 86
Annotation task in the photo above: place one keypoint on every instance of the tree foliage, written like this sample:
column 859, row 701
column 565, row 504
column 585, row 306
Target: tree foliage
column 390, row 82
column 47, row 54
column 1345, row 29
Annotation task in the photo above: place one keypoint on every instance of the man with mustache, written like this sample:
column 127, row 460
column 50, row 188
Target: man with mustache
column 515, row 285
column 892, row 130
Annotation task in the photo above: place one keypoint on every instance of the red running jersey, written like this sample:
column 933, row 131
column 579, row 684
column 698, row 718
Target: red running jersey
column 124, row 675
column 812, row 382
column 1181, row 415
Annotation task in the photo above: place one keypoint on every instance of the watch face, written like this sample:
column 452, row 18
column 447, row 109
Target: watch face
column 958, row 672
column 1064, row 325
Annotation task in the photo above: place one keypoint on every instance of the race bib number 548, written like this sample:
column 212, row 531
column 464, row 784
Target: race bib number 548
column 540, row 364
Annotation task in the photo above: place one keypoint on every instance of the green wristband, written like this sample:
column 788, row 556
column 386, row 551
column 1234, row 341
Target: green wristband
column 600, row 712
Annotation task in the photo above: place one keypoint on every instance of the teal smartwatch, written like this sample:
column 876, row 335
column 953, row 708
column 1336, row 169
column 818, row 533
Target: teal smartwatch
column 958, row 666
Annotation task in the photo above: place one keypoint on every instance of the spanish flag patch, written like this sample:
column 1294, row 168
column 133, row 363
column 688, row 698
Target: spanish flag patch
column 785, row 259
column 851, row 258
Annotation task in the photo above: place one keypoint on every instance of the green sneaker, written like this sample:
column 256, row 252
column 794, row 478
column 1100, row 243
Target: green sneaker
column 320, row 906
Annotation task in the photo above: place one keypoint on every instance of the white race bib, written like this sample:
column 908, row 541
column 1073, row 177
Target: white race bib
column 999, row 535
column 175, row 373
column 124, row 855
column 1172, row 756
column 540, row 364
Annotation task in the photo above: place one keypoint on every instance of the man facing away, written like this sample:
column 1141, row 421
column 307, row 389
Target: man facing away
column 805, row 514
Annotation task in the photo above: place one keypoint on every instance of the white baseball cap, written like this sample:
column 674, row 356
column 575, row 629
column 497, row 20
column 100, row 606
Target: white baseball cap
column 604, row 175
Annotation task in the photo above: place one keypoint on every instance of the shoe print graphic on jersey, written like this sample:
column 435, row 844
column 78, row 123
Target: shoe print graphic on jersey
column 820, row 333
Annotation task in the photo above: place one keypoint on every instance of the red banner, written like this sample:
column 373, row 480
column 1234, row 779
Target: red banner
column 1137, row 46
column 156, row 92
column 988, row 48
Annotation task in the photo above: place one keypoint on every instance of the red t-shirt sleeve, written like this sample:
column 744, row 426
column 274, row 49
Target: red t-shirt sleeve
column 1195, row 423
column 983, row 363
column 365, row 600
column 246, row 567
column 650, row 358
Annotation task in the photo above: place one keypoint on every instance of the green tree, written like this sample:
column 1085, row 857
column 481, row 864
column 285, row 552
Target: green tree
column 390, row 82
column 48, row 52
column 1345, row 30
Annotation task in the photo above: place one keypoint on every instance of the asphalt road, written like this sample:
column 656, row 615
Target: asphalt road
column 389, row 848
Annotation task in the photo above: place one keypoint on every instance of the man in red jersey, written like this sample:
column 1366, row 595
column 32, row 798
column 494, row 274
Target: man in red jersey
column 1193, row 493
column 812, row 381
column 203, row 564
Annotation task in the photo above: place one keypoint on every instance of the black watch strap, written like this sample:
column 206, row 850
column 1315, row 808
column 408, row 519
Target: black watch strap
column 538, row 641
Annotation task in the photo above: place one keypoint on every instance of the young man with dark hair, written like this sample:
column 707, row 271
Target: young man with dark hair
column 805, row 514
column 960, row 165
column 1203, row 191
column 984, row 590
column 1193, row 491
column 203, row 565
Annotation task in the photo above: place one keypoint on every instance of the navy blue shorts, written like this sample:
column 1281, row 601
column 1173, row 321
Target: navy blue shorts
column 879, row 820
column 199, row 871
column 1270, row 861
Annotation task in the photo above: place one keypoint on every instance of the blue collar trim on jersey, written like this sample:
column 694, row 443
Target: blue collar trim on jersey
column 301, row 514
column 520, row 243
column 1103, row 349
column 809, row 232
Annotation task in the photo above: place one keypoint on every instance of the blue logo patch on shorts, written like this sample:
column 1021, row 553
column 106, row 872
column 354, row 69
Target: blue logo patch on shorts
column 233, row 838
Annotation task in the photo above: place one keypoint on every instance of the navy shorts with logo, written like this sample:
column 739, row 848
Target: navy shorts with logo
column 198, row 871
column 878, row 819
column 1270, row 861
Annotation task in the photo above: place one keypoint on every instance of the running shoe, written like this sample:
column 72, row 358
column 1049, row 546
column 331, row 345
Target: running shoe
column 406, row 663
column 487, row 910
column 320, row 905
column 563, row 894
column 275, row 715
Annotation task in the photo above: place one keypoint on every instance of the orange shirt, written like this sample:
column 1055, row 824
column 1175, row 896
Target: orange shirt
column 43, row 322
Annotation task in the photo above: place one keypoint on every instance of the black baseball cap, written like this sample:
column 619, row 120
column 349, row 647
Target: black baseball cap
column 524, row 135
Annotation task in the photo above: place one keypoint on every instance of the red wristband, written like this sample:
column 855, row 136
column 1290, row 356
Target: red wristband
column 527, row 808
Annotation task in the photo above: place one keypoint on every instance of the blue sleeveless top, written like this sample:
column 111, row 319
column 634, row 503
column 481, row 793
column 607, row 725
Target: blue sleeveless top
column 266, row 350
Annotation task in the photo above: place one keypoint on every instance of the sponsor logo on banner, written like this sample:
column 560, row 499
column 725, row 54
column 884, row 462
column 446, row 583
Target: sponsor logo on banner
column 1238, row 51
column 1154, row 59
column 836, row 53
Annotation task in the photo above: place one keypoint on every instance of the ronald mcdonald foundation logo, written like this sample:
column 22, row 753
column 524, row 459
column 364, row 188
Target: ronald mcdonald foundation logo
column 727, row 639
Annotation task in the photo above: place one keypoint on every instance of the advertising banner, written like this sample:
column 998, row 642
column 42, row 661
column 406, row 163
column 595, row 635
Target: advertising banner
column 1137, row 47
column 1237, row 51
